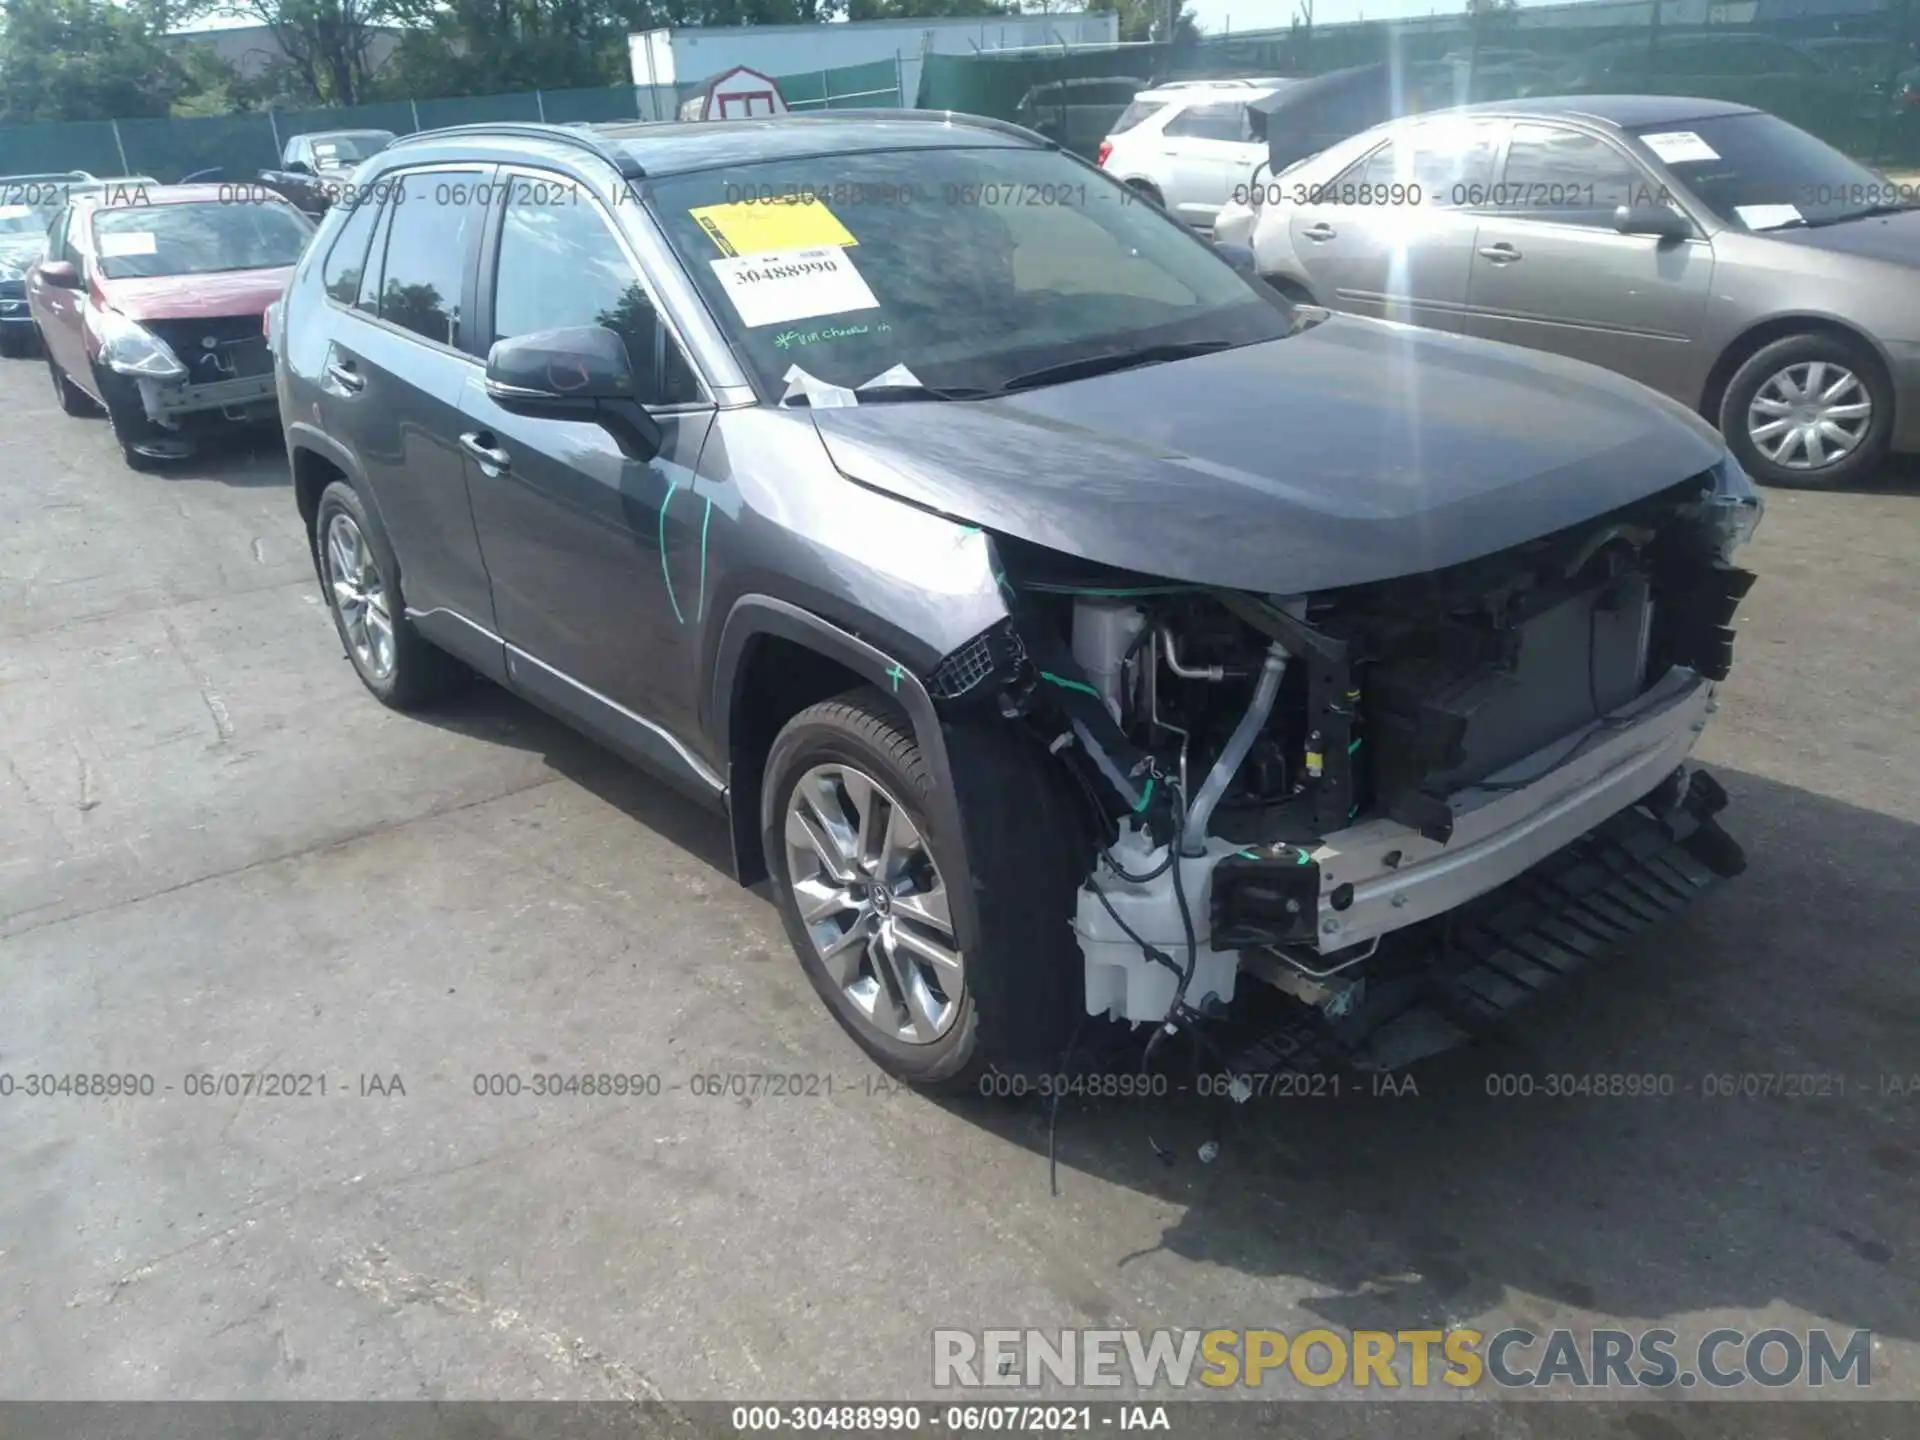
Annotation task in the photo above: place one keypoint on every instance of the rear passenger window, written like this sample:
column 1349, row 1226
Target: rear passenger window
column 1211, row 122
column 347, row 260
column 1135, row 113
column 560, row 266
column 427, row 253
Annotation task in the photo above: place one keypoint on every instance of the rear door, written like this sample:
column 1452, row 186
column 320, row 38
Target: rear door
column 597, row 559
column 400, row 354
column 1551, row 272
column 1393, row 236
column 1209, row 149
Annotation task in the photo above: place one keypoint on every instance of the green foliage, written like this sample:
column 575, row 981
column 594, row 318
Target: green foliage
column 1147, row 19
column 84, row 60
column 927, row 9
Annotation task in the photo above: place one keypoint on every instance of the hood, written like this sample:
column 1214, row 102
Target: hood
column 17, row 252
column 196, row 297
column 1354, row 451
column 1894, row 239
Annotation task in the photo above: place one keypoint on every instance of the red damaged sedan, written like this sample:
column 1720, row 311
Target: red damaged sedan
column 150, row 305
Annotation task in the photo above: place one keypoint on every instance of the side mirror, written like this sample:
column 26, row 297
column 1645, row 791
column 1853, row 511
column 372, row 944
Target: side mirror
column 60, row 275
column 581, row 373
column 1662, row 221
column 1239, row 256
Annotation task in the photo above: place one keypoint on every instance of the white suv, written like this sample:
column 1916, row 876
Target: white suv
column 1188, row 144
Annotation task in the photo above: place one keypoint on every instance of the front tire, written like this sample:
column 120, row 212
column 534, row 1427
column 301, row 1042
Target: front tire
column 71, row 399
column 145, row 445
column 1810, row 411
column 936, row 984
column 360, row 579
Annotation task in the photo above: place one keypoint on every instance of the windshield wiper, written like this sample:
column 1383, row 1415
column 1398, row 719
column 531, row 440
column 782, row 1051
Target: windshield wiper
column 1867, row 214
column 1106, row 364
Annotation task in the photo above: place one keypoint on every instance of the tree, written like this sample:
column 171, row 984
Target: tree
column 84, row 60
column 328, row 43
column 1147, row 19
column 927, row 9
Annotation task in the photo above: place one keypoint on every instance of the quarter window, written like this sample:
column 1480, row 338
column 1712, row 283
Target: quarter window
column 561, row 267
column 1210, row 122
column 427, row 253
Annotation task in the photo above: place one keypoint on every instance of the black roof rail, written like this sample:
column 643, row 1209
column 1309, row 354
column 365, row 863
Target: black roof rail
column 629, row 168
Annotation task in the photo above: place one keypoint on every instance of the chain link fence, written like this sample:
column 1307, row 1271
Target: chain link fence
column 236, row 147
column 1846, row 70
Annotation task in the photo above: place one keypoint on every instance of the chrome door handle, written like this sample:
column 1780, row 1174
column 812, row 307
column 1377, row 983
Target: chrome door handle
column 346, row 377
column 1320, row 230
column 1500, row 254
column 489, row 457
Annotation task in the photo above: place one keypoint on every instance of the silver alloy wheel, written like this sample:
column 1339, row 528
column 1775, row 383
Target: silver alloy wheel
column 867, row 890
column 1810, row 415
column 360, row 595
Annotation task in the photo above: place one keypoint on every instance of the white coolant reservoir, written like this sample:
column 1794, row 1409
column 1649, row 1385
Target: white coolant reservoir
column 1121, row 981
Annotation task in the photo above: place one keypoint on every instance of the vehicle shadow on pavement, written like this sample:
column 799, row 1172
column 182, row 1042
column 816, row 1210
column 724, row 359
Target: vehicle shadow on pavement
column 249, row 457
column 1417, row 1209
column 1416, row 1204
column 484, row 711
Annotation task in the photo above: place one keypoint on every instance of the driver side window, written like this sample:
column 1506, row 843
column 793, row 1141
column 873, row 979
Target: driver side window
column 561, row 266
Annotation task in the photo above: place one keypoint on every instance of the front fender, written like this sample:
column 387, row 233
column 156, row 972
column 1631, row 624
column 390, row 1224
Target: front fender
column 748, row 807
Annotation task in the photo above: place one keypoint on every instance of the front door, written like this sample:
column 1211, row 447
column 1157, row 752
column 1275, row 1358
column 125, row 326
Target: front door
column 596, row 559
column 58, row 311
column 1551, row 272
column 1392, row 237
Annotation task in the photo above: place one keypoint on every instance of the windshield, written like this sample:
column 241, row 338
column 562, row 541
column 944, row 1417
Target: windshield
column 1757, row 172
column 197, row 239
column 965, row 268
column 349, row 148
column 22, row 222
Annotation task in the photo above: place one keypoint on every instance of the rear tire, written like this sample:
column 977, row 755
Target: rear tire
column 71, row 399
column 1771, row 425
column 360, row 581
column 1011, row 999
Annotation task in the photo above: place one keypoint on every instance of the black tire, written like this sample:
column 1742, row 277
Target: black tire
column 70, row 397
column 1025, row 978
column 1770, row 361
column 421, row 672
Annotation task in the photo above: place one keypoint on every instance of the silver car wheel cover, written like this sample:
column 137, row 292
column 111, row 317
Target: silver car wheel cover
column 359, row 595
column 865, row 887
column 1810, row 415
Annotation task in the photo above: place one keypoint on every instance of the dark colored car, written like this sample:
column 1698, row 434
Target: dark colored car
column 150, row 304
column 315, row 169
column 23, row 239
column 1067, row 625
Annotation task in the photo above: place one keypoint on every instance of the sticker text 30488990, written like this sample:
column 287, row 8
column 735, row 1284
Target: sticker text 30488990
column 786, row 285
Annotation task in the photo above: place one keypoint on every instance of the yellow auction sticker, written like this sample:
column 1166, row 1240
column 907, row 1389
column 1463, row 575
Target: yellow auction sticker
column 755, row 227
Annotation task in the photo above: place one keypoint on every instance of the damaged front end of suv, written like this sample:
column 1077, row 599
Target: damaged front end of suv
column 1401, row 807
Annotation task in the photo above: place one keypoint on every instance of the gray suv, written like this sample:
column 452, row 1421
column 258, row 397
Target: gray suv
column 1070, row 628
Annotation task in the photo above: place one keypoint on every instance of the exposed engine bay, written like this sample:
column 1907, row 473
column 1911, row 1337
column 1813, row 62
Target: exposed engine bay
column 1309, row 790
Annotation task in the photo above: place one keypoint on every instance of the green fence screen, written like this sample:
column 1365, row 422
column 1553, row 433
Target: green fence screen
column 1848, row 73
column 235, row 147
